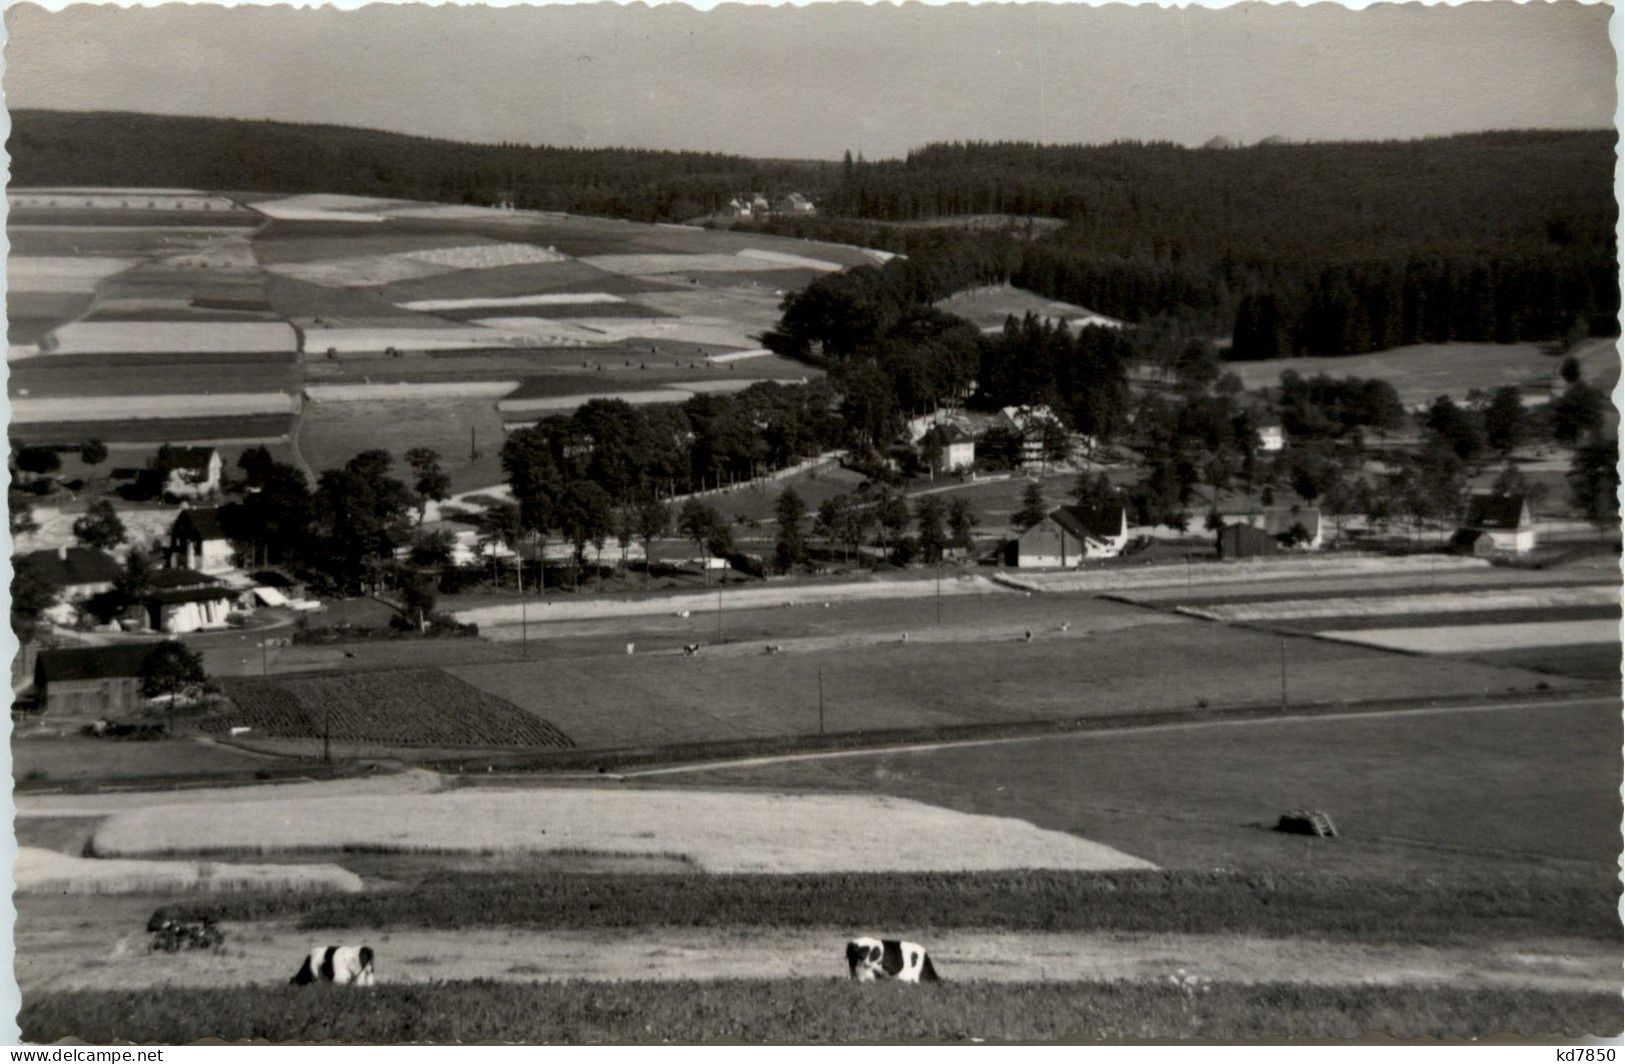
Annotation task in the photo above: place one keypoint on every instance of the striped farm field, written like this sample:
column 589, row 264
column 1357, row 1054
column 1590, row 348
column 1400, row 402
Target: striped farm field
column 223, row 429
column 1420, row 603
column 720, row 831
column 1471, row 638
column 175, row 336
column 409, row 707
column 40, row 871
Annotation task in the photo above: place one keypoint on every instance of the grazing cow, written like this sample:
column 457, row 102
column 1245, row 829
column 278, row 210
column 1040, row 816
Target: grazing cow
column 342, row 965
column 872, row 959
column 1066, row 625
column 690, row 649
column 773, row 648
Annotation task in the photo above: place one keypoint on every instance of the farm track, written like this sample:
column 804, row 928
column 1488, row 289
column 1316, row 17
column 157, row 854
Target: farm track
column 113, row 956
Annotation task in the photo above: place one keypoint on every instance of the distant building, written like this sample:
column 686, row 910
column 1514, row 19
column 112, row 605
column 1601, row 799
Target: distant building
column 796, row 203
column 195, row 474
column 1271, row 437
column 1277, row 521
column 960, row 452
column 90, row 681
column 196, row 541
column 1296, row 525
column 1069, row 536
column 75, row 574
column 1504, row 520
column 183, row 600
column 1031, row 423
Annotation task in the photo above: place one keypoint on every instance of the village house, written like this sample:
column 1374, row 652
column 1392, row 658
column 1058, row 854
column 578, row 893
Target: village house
column 194, row 473
column 74, row 574
column 1069, row 536
column 90, row 681
column 184, row 600
column 1031, row 422
column 1275, row 520
column 1496, row 524
column 196, row 541
column 1271, row 437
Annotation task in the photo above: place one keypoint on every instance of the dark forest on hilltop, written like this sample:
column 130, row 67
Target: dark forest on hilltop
column 1289, row 249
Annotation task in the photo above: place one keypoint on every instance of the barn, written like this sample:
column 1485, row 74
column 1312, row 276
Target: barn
column 1245, row 541
column 1070, row 535
column 90, row 681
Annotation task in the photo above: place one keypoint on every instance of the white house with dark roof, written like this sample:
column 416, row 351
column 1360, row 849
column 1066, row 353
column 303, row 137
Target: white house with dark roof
column 1501, row 523
column 74, row 574
column 196, row 541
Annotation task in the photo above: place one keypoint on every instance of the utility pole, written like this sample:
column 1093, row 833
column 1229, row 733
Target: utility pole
column 820, row 701
column 473, row 447
column 1283, row 674
column 719, row 611
column 327, row 737
column 265, row 666
column 524, row 611
column 939, row 589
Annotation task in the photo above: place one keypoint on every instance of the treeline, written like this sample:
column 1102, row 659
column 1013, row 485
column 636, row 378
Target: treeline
column 110, row 148
column 1295, row 249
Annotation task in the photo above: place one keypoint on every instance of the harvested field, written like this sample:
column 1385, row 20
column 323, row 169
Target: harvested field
column 721, row 831
column 344, row 340
column 1391, row 605
column 565, row 299
column 1477, row 638
column 119, row 408
column 408, row 391
column 412, row 781
column 409, row 707
column 175, row 336
column 226, row 429
column 812, row 1010
column 364, row 271
column 39, row 871
column 703, row 262
column 62, row 274
column 1221, row 573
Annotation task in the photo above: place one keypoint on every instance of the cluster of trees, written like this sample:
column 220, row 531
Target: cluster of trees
column 601, row 472
column 161, row 151
column 879, row 517
column 1082, row 375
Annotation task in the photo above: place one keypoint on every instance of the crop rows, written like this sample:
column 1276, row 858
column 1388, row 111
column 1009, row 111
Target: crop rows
column 413, row 707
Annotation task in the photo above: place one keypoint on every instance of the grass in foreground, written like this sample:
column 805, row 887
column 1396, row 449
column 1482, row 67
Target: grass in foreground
column 1395, row 909
column 811, row 1011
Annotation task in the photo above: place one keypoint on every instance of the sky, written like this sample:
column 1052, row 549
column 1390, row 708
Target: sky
column 815, row 81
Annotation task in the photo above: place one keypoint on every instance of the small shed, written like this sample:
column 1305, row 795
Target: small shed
column 90, row 681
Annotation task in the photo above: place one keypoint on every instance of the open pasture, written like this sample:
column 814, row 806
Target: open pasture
column 981, row 671
column 409, row 707
column 720, row 831
column 330, row 434
column 809, row 1010
column 1413, row 794
column 94, row 375
column 1423, row 371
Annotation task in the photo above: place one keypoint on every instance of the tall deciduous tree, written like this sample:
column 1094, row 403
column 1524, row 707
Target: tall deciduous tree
column 1033, row 507
column 790, row 512
column 168, row 671
column 961, row 522
column 1594, row 481
column 429, row 481
column 100, row 527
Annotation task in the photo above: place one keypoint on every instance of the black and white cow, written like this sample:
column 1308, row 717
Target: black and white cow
column 343, row 965
column 872, row 959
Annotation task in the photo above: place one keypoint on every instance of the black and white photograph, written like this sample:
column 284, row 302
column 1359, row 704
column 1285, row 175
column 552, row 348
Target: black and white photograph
column 850, row 524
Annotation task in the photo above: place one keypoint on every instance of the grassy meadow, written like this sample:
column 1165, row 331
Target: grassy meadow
column 812, row 1010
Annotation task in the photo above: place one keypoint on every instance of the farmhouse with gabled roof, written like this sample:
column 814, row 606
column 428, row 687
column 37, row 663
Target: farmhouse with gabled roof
column 1071, row 535
column 1504, row 521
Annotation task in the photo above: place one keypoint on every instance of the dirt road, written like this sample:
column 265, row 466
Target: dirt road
column 95, row 954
